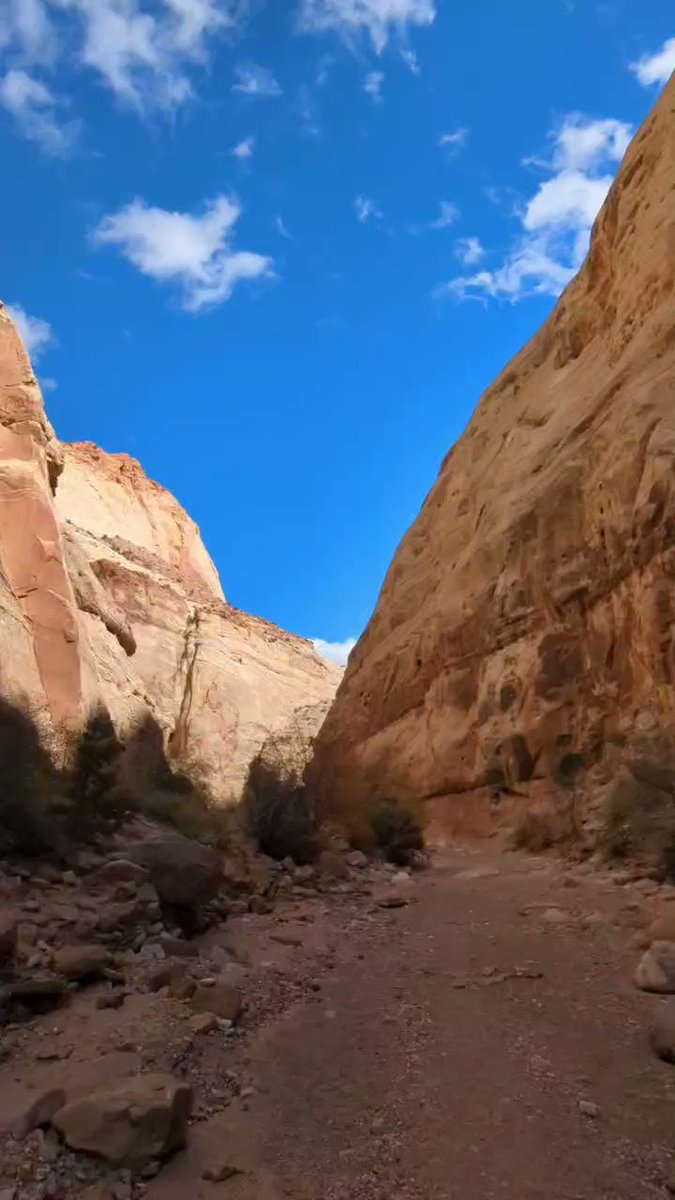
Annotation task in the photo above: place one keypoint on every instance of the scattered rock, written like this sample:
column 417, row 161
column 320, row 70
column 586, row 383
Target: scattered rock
column 220, row 1171
column 332, row 864
column 177, row 947
column 392, row 900
column 129, row 1123
column 37, row 995
column 662, row 1035
column 203, row 1022
column 555, row 916
column 165, row 974
column 38, row 1111
column 287, row 937
column 80, row 962
column 112, row 999
column 223, row 999
column 120, row 870
column 401, row 879
column 588, row 1109
column 655, row 971
column 357, row 860
column 184, row 872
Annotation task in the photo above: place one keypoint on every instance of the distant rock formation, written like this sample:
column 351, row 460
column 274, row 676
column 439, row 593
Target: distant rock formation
column 528, row 617
column 107, row 595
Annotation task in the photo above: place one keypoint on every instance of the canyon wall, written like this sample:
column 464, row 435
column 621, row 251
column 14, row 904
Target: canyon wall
column 108, row 596
column 528, row 617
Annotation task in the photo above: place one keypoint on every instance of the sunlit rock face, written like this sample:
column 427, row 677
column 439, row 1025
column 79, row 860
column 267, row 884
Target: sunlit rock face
column 108, row 596
column 528, row 613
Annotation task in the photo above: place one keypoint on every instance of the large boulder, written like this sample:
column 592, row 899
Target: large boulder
column 655, row 971
column 129, row 1123
column 80, row 962
column 183, row 872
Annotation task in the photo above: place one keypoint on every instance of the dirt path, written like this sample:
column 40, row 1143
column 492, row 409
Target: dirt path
column 464, row 1047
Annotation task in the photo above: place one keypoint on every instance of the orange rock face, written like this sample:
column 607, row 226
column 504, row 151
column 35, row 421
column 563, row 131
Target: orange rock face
column 108, row 595
column 529, row 612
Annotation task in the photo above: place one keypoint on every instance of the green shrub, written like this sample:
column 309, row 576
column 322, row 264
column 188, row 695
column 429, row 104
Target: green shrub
column 396, row 831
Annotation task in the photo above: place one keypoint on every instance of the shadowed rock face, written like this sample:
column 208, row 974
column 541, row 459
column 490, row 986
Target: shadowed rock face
column 529, row 612
column 108, row 595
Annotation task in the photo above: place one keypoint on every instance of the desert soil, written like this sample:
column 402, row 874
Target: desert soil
column 484, row 1041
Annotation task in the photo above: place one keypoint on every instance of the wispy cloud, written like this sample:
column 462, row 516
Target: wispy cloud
column 448, row 214
column 193, row 252
column 37, row 334
column 656, row 67
column 555, row 222
column 411, row 61
column 469, row 250
column 257, row 81
column 454, row 140
column 337, row 652
column 378, row 20
column 366, row 209
column 281, row 229
column 373, row 85
column 243, row 149
column 35, row 112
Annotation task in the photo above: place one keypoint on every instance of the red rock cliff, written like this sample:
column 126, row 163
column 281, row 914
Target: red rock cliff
column 530, row 610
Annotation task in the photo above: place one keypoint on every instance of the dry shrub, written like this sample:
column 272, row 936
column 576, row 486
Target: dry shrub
column 160, row 789
column 638, row 821
column 95, row 794
column 396, row 830
column 278, row 814
column 30, row 785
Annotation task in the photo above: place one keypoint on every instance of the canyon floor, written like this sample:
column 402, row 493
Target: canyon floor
column 484, row 1039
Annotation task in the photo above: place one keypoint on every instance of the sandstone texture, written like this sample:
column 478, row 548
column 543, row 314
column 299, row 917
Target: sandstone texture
column 528, row 614
column 108, row 596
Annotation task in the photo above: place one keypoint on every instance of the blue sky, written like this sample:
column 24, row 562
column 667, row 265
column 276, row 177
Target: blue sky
column 276, row 250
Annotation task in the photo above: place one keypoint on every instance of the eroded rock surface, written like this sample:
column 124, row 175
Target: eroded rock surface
column 528, row 614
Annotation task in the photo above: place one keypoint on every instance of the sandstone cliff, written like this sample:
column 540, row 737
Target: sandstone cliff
column 107, row 595
column 528, row 614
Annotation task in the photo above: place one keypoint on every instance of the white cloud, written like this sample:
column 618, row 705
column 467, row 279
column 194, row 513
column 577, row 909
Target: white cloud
column 337, row 652
column 657, row 67
column 453, row 141
column 555, row 222
column 254, row 80
column 26, row 27
column 580, row 144
column 377, row 19
column 244, row 149
column 47, row 383
column 373, row 85
column 447, row 216
column 37, row 335
column 142, row 50
column 33, row 108
column 365, row 209
column 469, row 250
column 194, row 252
